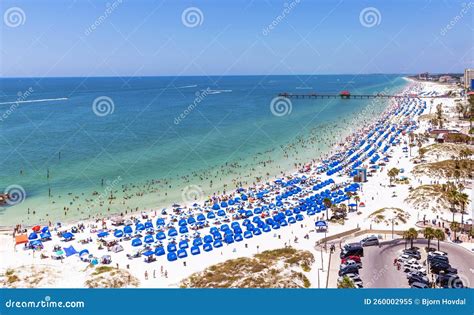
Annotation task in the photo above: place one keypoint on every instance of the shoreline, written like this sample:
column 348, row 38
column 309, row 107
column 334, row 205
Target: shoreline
column 346, row 133
column 229, row 181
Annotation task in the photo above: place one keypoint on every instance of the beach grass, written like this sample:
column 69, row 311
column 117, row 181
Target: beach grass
column 280, row 268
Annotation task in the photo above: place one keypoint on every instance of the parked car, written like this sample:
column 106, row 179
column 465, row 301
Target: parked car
column 349, row 269
column 437, row 253
column 437, row 267
column 417, row 268
column 354, row 258
column 370, row 241
column 415, row 273
column 353, row 249
column 403, row 258
column 353, row 276
column 433, row 259
column 350, row 262
column 419, row 285
column 418, row 278
column 355, row 279
column 412, row 253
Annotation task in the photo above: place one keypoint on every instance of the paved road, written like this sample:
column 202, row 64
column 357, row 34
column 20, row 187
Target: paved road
column 379, row 272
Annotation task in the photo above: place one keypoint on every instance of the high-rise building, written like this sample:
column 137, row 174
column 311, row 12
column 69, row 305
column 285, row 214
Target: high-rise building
column 469, row 79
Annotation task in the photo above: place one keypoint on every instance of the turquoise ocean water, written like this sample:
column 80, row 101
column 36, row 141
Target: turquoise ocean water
column 79, row 147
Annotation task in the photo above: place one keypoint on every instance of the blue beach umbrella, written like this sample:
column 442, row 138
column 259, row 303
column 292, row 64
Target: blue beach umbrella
column 102, row 234
column 207, row 247
column 208, row 239
column 211, row 215
column 183, row 244
column 148, row 239
column 160, row 235
column 248, row 234
column 32, row 236
column 159, row 251
column 171, row 247
column 136, row 242
column 172, row 256
column 172, row 232
column 182, row 253
column 197, row 241
column 195, row 250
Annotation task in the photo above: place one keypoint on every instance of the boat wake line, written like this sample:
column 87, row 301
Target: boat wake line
column 36, row 101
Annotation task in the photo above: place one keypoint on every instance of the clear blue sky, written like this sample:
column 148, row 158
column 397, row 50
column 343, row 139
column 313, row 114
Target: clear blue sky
column 145, row 37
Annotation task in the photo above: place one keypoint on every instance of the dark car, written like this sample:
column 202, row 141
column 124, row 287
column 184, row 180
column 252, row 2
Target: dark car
column 419, row 285
column 353, row 249
column 437, row 267
column 438, row 258
column 348, row 269
column 449, row 281
column 418, row 278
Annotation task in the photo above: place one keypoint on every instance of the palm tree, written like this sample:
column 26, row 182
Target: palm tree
column 439, row 235
column 428, row 233
column 346, row 283
column 349, row 196
column 392, row 173
column 455, row 227
column 327, row 203
column 459, row 109
column 411, row 137
column 453, row 196
column 410, row 235
column 357, row 199
column 463, row 199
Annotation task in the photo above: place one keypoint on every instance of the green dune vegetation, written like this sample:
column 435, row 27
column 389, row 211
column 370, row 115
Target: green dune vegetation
column 110, row 277
column 280, row 268
column 387, row 215
column 454, row 169
column 439, row 197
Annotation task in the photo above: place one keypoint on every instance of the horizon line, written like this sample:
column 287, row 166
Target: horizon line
column 217, row 75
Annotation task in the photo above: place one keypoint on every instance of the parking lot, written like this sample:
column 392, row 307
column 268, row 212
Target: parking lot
column 378, row 269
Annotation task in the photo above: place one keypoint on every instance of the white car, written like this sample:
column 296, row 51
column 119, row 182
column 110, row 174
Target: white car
column 409, row 262
column 415, row 268
column 352, row 276
column 349, row 263
column 403, row 258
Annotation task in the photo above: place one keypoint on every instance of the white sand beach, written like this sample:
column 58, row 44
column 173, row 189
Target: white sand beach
column 400, row 119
